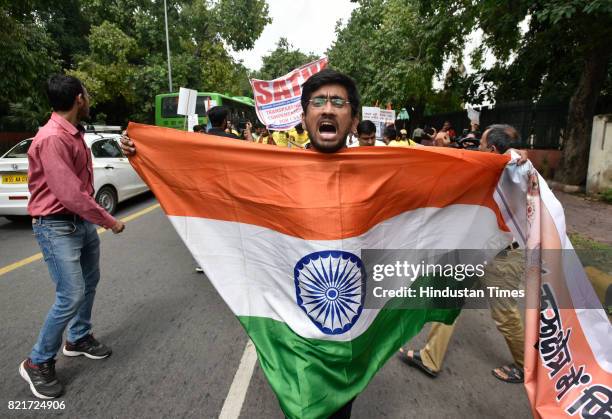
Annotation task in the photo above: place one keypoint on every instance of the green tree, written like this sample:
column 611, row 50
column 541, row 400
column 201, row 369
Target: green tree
column 118, row 49
column 385, row 48
column 282, row 60
column 125, row 65
column 108, row 70
column 28, row 55
column 452, row 96
column 66, row 25
column 565, row 54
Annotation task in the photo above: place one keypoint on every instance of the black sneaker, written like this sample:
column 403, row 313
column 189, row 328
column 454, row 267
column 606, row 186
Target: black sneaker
column 87, row 346
column 41, row 378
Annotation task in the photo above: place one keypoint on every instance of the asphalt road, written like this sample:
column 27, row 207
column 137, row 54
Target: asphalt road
column 176, row 346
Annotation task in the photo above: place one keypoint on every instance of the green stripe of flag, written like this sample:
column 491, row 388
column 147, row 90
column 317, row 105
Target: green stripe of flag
column 313, row 378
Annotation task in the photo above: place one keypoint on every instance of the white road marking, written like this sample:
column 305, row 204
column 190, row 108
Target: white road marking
column 237, row 392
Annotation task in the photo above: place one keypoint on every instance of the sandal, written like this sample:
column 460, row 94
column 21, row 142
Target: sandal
column 414, row 360
column 509, row 374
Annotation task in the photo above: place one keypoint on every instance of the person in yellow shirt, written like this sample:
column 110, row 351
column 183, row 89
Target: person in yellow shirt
column 281, row 138
column 264, row 136
column 298, row 137
column 402, row 141
column 231, row 129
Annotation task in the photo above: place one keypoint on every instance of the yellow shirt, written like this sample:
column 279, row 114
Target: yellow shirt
column 402, row 143
column 280, row 138
column 298, row 140
column 263, row 140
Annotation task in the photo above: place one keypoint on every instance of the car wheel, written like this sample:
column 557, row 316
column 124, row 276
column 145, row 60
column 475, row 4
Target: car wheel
column 107, row 199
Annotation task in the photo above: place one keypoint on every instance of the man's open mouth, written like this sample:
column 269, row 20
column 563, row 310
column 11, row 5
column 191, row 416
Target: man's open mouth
column 327, row 130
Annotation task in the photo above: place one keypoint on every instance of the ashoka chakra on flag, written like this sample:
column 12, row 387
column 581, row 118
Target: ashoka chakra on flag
column 330, row 288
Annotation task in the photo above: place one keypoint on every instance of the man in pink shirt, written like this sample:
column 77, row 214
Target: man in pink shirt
column 64, row 216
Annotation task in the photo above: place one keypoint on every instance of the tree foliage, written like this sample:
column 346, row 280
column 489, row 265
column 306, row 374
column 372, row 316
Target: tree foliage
column 30, row 54
column 384, row 49
column 126, row 62
column 118, row 49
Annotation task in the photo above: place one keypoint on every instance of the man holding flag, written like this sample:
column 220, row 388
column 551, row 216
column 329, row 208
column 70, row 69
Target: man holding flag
column 330, row 101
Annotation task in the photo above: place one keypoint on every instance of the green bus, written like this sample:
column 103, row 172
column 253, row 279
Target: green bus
column 241, row 109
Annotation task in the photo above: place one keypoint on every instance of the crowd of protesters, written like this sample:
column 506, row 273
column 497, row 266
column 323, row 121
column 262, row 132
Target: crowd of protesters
column 365, row 135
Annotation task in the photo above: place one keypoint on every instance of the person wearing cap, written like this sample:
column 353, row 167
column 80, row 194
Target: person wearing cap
column 402, row 141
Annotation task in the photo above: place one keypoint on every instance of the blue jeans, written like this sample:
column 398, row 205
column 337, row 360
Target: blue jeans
column 72, row 253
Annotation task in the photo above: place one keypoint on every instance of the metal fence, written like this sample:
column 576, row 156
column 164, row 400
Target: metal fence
column 541, row 125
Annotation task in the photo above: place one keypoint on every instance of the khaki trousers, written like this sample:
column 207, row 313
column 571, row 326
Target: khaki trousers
column 505, row 273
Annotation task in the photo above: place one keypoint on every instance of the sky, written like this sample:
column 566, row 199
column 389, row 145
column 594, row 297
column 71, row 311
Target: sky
column 307, row 24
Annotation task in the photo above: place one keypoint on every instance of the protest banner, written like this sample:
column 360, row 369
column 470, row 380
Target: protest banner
column 380, row 117
column 387, row 117
column 473, row 115
column 372, row 113
column 277, row 101
column 187, row 101
column 192, row 120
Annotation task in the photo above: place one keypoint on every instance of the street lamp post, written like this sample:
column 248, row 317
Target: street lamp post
column 168, row 48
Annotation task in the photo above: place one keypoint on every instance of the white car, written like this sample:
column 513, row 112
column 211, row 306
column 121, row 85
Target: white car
column 115, row 180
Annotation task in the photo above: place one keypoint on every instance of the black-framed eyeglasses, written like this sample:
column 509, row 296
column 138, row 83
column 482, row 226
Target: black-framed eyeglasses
column 320, row 101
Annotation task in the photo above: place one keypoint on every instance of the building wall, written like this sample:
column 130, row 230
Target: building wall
column 599, row 176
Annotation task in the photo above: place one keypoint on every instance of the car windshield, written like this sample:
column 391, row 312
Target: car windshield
column 20, row 151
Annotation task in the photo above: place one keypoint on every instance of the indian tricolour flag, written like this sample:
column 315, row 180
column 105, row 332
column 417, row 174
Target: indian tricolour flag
column 280, row 233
